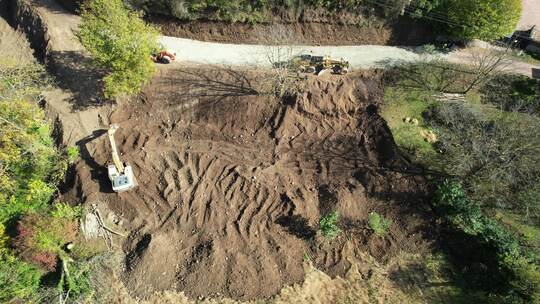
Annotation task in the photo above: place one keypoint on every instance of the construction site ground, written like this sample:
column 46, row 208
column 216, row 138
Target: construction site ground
column 232, row 182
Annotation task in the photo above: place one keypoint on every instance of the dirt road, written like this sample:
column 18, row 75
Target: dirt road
column 359, row 56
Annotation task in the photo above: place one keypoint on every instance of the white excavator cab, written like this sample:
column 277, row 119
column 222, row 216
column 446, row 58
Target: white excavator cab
column 121, row 182
column 121, row 176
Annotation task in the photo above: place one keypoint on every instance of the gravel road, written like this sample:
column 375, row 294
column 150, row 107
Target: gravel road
column 361, row 56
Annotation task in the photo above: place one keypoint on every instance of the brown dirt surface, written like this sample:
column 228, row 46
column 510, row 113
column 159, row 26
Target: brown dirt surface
column 232, row 182
column 13, row 45
column 403, row 32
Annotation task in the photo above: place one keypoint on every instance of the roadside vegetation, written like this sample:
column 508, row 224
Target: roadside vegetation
column 38, row 236
column 476, row 136
column 482, row 19
column 120, row 43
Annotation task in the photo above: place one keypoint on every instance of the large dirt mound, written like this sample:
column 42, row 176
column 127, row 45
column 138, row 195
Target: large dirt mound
column 232, row 183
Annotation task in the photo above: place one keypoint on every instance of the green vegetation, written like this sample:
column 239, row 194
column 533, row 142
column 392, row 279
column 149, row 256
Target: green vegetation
column 490, row 209
column 483, row 19
column 255, row 11
column 30, row 169
column 120, row 43
column 328, row 225
column 378, row 223
column 510, row 266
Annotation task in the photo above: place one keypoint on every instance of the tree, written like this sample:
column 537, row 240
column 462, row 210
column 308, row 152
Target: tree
column 284, row 80
column 483, row 19
column 121, row 43
column 485, row 66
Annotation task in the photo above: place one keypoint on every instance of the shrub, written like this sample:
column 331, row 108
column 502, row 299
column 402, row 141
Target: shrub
column 515, row 265
column 28, row 158
column 121, row 43
column 19, row 281
column 328, row 225
column 72, row 153
column 514, row 93
column 495, row 154
column 63, row 210
column 41, row 239
column 483, row 19
column 378, row 223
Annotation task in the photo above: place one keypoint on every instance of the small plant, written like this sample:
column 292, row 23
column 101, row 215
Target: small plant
column 72, row 154
column 379, row 224
column 328, row 225
column 64, row 210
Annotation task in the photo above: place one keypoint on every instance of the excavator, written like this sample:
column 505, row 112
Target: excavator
column 121, row 176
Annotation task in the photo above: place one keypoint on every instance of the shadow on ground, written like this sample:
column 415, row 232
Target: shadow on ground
column 74, row 73
column 205, row 85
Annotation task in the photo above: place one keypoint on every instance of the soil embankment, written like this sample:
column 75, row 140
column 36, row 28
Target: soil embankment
column 312, row 33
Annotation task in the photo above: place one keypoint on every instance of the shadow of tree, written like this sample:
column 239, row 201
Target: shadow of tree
column 207, row 85
column 297, row 226
column 98, row 172
column 56, row 7
column 535, row 73
column 74, row 72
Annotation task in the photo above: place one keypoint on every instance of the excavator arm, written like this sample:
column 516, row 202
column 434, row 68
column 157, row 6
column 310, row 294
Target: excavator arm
column 116, row 159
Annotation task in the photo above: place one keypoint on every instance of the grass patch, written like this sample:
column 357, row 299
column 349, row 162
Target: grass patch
column 328, row 225
column 401, row 103
column 525, row 56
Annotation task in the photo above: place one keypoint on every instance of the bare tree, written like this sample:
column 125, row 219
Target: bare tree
column 487, row 64
column 495, row 156
column 279, row 51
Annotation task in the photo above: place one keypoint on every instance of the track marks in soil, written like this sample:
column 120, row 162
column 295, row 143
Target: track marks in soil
column 231, row 190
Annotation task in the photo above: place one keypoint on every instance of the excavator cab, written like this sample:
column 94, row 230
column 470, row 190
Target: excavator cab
column 121, row 182
column 121, row 176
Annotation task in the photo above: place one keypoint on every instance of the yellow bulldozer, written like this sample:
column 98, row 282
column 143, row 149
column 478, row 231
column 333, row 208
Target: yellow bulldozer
column 307, row 63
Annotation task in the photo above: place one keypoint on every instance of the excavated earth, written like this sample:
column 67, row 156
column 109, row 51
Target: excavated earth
column 232, row 182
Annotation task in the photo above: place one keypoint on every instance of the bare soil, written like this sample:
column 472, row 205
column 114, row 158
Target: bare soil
column 232, row 182
column 402, row 32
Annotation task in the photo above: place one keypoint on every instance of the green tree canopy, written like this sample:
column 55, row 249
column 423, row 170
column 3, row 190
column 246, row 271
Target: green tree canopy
column 483, row 19
column 121, row 43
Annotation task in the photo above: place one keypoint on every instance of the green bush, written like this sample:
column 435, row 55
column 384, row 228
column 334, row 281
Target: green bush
column 515, row 264
column 378, row 223
column 483, row 19
column 18, row 280
column 328, row 225
column 72, row 153
column 121, row 43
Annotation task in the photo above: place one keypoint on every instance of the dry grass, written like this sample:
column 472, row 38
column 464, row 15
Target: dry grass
column 407, row 278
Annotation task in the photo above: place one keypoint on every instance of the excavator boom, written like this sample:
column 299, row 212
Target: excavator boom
column 116, row 159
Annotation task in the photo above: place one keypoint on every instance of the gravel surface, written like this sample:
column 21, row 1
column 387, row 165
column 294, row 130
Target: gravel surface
column 362, row 56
